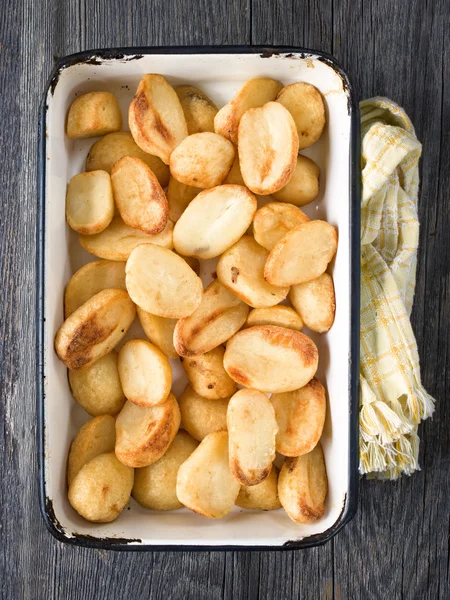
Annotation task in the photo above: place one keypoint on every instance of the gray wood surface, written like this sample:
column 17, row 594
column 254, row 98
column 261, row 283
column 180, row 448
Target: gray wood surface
column 398, row 544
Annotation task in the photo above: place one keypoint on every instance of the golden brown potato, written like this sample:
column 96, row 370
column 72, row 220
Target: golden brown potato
column 144, row 433
column 145, row 373
column 251, row 433
column 255, row 92
column 305, row 104
column 303, row 186
column 111, row 148
column 315, row 302
column 95, row 437
column 234, row 176
column 101, row 489
column 303, row 486
column 207, row 375
column 162, row 283
column 118, row 240
column 202, row 160
column 93, row 114
column 204, row 481
column 220, row 315
column 281, row 315
column 263, row 496
column 155, row 485
column 90, row 279
column 179, row 196
column 98, row 388
column 268, row 147
column 199, row 110
column 272, row 221
column 214, row 221
column 300, row 416
column 241, row 270
column 159, row 331
column 139, row 198
column 200, row 416
column 302, row 254
column 94, row 329
column 89, row 202
column 271, row 359
column 156, row 117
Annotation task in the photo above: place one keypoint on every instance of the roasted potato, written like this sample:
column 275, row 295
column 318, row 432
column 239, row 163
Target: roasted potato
column 204, row 481
column 281, row 315
column 303, row 486
column 303, row 186
column 179, row 196
column 159, row 331
column 234, row 176
column 315, row 302
column 251, row 433
column 200, row 416
column 155, row 485
column 207, row 375
column 89, row 202
column 271, row 359
column 98, row 388
column 162, row 283
column 199, row 110
column 214, row 221
column 272, row 221
column 302, row 254
column 144, row 433
column 94, row 329
column 263, row 496
column 220, row 315
column 93, row 114
column 156, row 117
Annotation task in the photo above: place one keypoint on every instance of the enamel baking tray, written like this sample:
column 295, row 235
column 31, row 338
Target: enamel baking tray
column 218, row 71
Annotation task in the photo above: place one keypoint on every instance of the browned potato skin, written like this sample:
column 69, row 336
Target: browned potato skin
column 273, row 220
column 179, row 196
column 200, row 416
column 159, row 331
column 207, row 375
column 93, row 114
column 263, row 496
column 281, row 315
column 303, row 187
column 315, row 302
column 199, row 110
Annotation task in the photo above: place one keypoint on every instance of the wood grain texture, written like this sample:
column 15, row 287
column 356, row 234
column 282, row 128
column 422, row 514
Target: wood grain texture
column 398, row 545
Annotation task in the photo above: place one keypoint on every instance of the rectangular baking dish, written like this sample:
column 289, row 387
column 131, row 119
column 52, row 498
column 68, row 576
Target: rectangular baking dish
column 219, row 71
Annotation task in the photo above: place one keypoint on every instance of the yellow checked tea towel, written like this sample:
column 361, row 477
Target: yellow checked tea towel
column 393, row 401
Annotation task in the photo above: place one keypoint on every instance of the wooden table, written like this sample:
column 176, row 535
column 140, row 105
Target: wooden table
column 398, row 544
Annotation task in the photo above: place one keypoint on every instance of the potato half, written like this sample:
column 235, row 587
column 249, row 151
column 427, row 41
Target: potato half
column 272, row 221
column 302, row 254
column 93, row 114
column 303, row 486
column 179, row 196
column 155, row 485
column 281, row 315
column 271, row 358
column 303, row 186
column 241, row 270
column 263, row 496
column 89, row 202
column 159, row 331
column 220, row 315
column 156, row 117
column 94, row 329
column 144, row 433
column 315, row 302
column 251, row 432
column 199, row 110
column 207, row 375
column 200, row 416
column 204, row 482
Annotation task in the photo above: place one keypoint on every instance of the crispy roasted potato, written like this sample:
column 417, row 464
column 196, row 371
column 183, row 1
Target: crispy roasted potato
column 145, row 373
column 281, row 315
column 101, row 489
column 156, row 117
column 241, row 270
column 234, row 176
column 159, row 331
column 179, row 196
column 155, row 485
column 263, row 496
column 139, row 198
column 315, row 302
column 207, row 375
column 200, row 416
column 255, row 92
column 199, row 110
column 98, row 388
column 220, row 315
column 300, row 416
column 94, row 329
column 305, row 104
column 251, row 433
column 214, row 221
column 204, row 482
column 202, row 160
column 302, row 254
column 303, row 186
column 162, row 283
column 114, row 146
column 93, row 114
column 118, row 240
column 268, row 147
column 272, row 221
column 89, row 202
column 303, row 486
column 271, row 359
column 95, row 437
column 144, row 433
